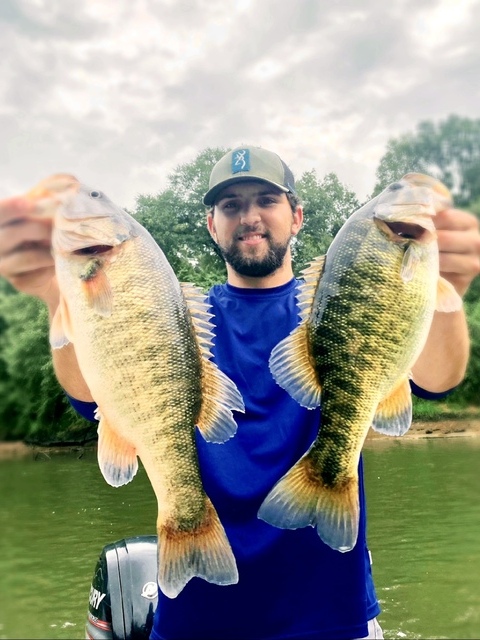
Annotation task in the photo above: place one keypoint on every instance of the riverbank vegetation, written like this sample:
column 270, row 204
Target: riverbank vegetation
column 34, row 408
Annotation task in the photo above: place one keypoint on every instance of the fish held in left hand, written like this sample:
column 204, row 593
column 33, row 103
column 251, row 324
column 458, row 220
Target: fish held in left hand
column 142, row 343
column 366, row 309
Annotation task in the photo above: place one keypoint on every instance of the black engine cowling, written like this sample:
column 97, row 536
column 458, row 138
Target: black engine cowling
column 123, row 595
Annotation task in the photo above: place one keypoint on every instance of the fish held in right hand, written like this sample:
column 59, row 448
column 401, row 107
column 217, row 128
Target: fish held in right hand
column 142, row 342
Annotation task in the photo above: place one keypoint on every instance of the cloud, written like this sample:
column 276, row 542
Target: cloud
column 121, row 93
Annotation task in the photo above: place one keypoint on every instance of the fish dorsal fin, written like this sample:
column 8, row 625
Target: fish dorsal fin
column 290, row 362
column 306, row 294
column 447, row 297
column 220, row 395
column 394, row 413
column 293, row 369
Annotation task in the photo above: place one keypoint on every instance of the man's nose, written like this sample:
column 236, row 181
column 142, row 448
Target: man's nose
column 250, row 213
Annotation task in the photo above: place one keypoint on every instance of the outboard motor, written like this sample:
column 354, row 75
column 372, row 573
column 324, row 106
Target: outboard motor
column 123, row 595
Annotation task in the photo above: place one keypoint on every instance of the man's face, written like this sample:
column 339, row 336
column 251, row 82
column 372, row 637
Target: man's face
column 252, row 224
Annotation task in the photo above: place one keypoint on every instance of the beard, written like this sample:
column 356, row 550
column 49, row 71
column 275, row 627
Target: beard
column 252, row 266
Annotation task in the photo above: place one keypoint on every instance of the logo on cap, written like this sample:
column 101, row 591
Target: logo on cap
column 241, row 160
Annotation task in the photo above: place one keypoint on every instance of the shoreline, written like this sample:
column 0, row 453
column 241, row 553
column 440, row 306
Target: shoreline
column 418, row 430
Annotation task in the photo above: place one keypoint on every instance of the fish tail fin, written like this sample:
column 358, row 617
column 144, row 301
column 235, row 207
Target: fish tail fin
column 301, row 499
column 203, row 552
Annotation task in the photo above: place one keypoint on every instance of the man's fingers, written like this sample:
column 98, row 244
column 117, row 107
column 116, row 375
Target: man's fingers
column 28, row 260
column 16, row 208
column 20, row 235
column 456, row 220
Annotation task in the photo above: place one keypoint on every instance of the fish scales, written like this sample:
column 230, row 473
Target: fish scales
column 142, row 343
column 366, row 312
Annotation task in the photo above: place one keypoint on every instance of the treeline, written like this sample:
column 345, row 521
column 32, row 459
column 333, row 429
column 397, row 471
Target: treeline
column 33, row 407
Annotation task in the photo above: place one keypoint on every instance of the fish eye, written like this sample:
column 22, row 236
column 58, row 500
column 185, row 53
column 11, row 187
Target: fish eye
column 95, row 194
column 395, row 186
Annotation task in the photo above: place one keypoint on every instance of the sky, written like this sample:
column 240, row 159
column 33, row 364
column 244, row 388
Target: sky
column 121, row 92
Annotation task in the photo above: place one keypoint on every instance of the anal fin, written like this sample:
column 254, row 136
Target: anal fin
column 394, row 413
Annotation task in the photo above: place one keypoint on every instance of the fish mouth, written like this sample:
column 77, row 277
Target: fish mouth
column 94, row 250
column 402, row 232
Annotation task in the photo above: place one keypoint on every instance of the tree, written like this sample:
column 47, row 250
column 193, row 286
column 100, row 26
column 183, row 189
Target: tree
column 326, row 204
column 176, row 219
column 449, row 150
column 33, row 405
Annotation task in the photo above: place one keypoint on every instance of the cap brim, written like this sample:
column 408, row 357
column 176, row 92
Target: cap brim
column 210, row 197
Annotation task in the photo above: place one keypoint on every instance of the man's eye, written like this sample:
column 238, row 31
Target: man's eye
column 264, row 202
column 230, row 206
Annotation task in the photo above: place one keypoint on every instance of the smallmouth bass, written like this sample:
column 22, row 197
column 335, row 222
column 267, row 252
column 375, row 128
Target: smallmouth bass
column 142, row 343
column 366, row 310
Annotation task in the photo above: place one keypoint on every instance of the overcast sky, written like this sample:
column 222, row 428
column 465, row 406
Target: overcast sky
column 120, row 92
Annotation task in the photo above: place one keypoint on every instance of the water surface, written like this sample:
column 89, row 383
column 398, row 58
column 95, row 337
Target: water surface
column 57, row 513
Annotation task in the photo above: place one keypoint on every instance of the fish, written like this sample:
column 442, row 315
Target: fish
column 365, row 312
column 142, row 341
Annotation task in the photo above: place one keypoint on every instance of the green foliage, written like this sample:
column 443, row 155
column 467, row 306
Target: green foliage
column 176, row 219
column 449, row 150
column 33, row 405
column 326, row 204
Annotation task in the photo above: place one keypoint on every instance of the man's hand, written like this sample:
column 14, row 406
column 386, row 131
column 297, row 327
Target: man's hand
column 459, row 246
column 25, row 251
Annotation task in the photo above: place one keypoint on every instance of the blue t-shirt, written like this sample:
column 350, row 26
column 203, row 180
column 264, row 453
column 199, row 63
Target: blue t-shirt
column 291, row 585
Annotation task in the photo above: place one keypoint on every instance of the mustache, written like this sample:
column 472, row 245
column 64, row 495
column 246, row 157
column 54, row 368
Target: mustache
column 246, row 228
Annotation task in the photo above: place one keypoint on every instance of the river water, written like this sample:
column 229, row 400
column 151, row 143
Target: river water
column 57, row 513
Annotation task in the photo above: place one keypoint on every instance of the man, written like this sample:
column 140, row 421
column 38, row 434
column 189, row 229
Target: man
column 291, row 584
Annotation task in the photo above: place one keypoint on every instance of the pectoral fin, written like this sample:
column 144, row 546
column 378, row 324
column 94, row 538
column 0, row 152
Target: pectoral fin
column 411, row 260
column 394, row 413
column 448, row 299
column 96, row 287
column 117, row 458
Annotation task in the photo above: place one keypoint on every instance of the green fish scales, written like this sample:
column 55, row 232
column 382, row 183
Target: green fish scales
column 142, row 342
column 366, row 310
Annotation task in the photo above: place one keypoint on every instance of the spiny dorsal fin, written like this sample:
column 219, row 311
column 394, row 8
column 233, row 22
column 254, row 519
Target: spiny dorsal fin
column 306, row 294
column 220, row 395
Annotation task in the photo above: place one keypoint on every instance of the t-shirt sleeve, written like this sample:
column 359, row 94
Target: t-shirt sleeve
column 85, row 409
column 429, row 395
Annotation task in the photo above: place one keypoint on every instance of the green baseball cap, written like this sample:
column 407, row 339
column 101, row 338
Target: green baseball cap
column 249, row 163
